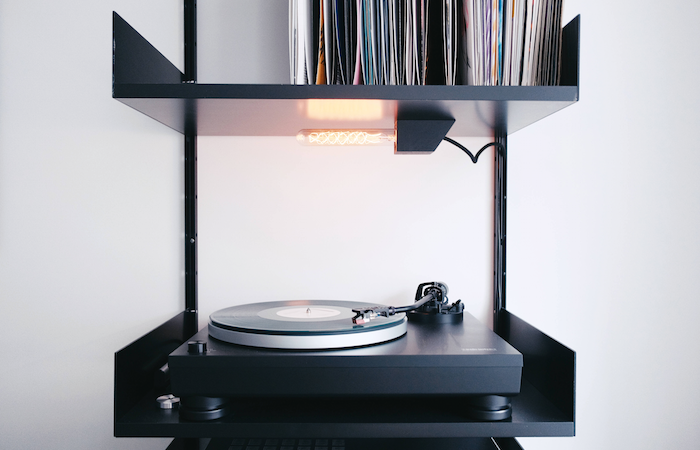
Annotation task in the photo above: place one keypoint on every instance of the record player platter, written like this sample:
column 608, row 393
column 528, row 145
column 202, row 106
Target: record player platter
column 303, row 325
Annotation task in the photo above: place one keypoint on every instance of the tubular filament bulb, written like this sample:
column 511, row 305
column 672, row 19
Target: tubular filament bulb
column 349, row 137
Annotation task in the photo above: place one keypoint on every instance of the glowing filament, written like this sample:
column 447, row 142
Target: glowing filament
column 338, row 137
column 344, row 138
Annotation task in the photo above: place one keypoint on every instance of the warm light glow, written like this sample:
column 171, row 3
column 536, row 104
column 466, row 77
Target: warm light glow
column 327, row 109
column 345, row 137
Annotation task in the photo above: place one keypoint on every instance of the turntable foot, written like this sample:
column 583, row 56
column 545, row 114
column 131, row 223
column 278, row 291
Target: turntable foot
column 489, row 407
column 199, row 408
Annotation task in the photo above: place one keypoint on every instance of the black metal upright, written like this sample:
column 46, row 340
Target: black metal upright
column 190, row 14
column 191, row 41
column 499, row 227
column 190, row 76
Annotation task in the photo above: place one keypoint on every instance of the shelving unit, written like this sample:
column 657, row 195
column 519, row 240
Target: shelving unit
column 281, row 110
column 149, row 83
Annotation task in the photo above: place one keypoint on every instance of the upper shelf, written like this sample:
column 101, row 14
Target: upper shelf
column 145, row 80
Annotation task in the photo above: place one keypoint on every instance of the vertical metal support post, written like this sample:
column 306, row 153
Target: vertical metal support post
column 190, row 41
column 499, row 226
column 190, row 221
column 190, row 164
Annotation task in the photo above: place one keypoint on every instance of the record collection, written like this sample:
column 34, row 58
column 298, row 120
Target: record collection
column 419, row 42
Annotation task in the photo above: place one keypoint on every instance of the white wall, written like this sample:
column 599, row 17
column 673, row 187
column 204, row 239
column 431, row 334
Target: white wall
column 90, row 234
column 603, row 205
column 603, row 219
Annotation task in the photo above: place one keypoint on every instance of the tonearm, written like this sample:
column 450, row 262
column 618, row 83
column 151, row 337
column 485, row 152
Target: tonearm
column 431, row 305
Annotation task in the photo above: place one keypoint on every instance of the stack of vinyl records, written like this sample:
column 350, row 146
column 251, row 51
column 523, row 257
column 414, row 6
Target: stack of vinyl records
column 418, row 42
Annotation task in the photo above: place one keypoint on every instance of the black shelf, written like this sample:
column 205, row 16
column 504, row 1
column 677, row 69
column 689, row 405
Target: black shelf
column 352, row 444
column 543, row 408
column 156, row 89
column 533, row 415
column 283, row 110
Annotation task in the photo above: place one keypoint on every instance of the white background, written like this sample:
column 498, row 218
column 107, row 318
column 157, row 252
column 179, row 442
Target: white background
column 602, row 220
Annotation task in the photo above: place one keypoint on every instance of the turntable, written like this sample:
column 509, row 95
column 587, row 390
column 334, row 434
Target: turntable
column 348, row 351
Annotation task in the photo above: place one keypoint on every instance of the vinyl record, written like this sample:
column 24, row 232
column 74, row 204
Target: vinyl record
column 302, row 325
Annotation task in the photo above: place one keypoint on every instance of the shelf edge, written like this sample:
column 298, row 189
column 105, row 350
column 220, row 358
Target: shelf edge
column 547, row 364
column 135, row 60
column 136, row 364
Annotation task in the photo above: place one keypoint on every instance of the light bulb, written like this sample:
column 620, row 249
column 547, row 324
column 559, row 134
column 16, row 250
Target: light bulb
column 346, row 137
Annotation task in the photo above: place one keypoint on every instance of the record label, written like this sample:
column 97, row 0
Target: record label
column 307, row 313
column 304, row 313
column 302, row 324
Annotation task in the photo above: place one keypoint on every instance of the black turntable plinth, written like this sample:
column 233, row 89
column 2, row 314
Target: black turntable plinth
column 431, row 360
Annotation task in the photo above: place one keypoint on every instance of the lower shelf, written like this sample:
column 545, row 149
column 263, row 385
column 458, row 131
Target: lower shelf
column 533, row 415
column 345, row 444
column 545, row 406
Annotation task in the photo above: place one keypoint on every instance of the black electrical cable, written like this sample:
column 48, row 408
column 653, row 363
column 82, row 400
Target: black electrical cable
column 474, row 158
